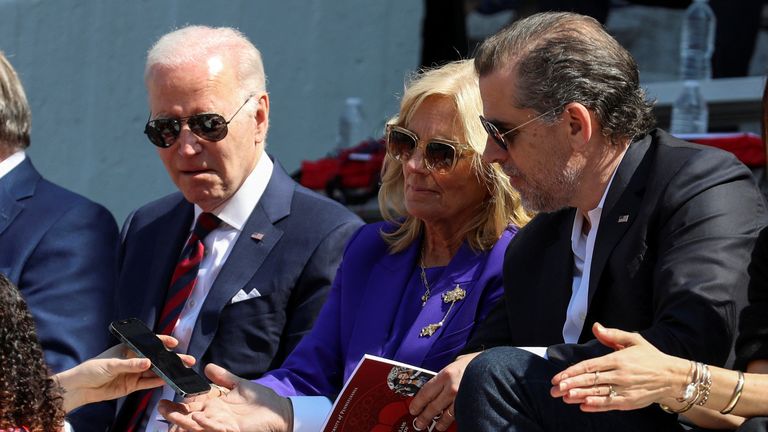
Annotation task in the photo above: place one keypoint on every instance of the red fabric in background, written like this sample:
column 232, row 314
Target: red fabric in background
column 748, row 147
column 317, row 174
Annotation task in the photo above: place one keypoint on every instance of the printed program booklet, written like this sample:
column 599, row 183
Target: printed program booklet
column 376, row 398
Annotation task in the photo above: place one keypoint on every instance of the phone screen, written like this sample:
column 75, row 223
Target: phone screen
column 166, row 364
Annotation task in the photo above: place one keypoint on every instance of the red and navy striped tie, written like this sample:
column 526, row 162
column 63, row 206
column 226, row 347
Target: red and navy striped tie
column 182, row 283
column 185, row 275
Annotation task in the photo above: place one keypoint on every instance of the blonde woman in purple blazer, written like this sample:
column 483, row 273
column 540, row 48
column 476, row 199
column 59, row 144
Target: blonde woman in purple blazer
column 411, row 288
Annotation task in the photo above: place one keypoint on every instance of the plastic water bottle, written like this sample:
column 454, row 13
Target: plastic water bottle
column 689, row 112
column 697, row 42
column 351, row 129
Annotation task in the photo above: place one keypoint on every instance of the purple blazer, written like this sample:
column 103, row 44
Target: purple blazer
column 358, row 316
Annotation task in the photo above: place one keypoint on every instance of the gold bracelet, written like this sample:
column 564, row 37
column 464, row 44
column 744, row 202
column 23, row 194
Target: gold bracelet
column 671, row 410
column 704, row 386
column 735, row 396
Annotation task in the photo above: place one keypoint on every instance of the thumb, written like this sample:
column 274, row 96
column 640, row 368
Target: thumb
column 615, row 338
column 220, row 376
column 127, row 366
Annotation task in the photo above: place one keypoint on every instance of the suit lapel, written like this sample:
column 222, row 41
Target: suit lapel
column 382, row 299
column 246, row 257
column 174, row 226
column 550, row 294
column 619, row 210
column 20, row 183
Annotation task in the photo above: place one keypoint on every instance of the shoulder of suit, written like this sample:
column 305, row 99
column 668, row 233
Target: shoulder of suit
column 56, row 199
column 161, row 205
column 321, row 207
column 672, row 151
column 367, row 241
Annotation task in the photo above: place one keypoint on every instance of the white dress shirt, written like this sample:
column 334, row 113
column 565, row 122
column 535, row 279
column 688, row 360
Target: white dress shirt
column 583, row 247
column 218, row 244
column 11, row 162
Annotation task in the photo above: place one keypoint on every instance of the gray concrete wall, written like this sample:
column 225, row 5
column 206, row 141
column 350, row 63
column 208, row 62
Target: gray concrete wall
column 81, row 62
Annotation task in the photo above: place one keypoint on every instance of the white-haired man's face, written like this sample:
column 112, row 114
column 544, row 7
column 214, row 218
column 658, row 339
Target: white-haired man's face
column 208, row 172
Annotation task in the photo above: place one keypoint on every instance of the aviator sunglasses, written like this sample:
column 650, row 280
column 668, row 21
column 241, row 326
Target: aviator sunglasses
column 498, row 137
column 163, row 132
column 440, row 154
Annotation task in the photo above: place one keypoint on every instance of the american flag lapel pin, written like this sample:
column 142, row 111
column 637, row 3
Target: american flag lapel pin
column 623, row 218
column 257, row 236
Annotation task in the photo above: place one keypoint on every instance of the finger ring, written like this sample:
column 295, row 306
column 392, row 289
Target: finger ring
column 611, row 392
column 448, row 411
column 222, row 390
column 597, row 376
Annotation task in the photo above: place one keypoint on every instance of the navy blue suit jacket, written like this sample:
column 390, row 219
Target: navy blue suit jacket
column 292, row 267
column 60, row 250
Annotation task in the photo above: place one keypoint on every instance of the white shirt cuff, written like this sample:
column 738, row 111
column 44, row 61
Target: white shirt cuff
column 309, row 412
column 539, row 351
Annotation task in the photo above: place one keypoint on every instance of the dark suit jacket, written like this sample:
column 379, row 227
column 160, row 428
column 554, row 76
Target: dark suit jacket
column 752, row 343
column 60, row 250
column 292, row 267
column 675, row 270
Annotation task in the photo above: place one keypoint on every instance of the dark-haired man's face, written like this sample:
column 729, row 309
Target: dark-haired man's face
column 538, row 159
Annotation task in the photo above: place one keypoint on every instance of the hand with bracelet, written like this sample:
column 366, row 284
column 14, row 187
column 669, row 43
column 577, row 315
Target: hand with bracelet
column 638, row 375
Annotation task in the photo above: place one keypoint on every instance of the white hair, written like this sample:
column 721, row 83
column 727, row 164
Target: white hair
column 196, row 43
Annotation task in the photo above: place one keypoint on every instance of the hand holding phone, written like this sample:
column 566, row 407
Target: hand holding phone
column 166, row 364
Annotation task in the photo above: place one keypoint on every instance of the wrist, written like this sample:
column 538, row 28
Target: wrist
column 681, row 376
column 72, row 396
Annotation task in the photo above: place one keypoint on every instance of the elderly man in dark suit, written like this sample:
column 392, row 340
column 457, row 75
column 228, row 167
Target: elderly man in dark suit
column 237, row 264
column 58, row 247
column 638, row 230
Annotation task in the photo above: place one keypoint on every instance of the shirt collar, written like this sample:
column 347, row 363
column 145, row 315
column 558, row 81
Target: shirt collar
column 236, row 210
column 12, row 162
column 595, row 213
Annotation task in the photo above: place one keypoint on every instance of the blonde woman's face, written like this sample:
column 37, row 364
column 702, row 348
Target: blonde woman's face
column 450, row 198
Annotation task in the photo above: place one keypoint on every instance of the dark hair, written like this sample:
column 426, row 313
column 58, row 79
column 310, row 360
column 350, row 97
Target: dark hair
column 28, row 396
column 562, row 57
column 15, row 116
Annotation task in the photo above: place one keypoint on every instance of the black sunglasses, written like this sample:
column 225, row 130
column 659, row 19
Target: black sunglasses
column 163, row 132
column 439, row 154
column 498, row 137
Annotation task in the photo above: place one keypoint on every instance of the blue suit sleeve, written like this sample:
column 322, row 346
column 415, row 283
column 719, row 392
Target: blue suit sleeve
column 68, row 283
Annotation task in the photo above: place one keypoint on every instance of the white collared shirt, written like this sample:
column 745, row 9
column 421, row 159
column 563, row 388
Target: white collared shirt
column 11, row 162
column 218, row 244
column 583, row 247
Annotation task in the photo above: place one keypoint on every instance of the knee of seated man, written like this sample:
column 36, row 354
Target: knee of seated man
column 503, row 361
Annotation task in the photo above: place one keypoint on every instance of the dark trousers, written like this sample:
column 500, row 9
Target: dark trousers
column 756, row 424
column 507, row 389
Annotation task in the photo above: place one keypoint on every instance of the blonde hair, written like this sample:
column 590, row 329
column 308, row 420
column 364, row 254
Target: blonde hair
column 457, row 82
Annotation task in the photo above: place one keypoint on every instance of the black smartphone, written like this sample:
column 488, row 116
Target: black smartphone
column 166, row 364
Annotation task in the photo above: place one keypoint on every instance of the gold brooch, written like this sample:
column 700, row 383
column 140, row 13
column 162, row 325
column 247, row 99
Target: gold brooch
column 452, row 296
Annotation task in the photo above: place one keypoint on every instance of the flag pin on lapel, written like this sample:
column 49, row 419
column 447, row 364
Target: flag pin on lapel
column 623, row 218
column 257, row 236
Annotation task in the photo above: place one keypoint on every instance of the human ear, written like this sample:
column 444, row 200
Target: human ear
column 580, row 126
column 261, row 116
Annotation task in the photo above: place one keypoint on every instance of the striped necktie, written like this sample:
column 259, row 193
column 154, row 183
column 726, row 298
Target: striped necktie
column 185, row 275
column 182, row 283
